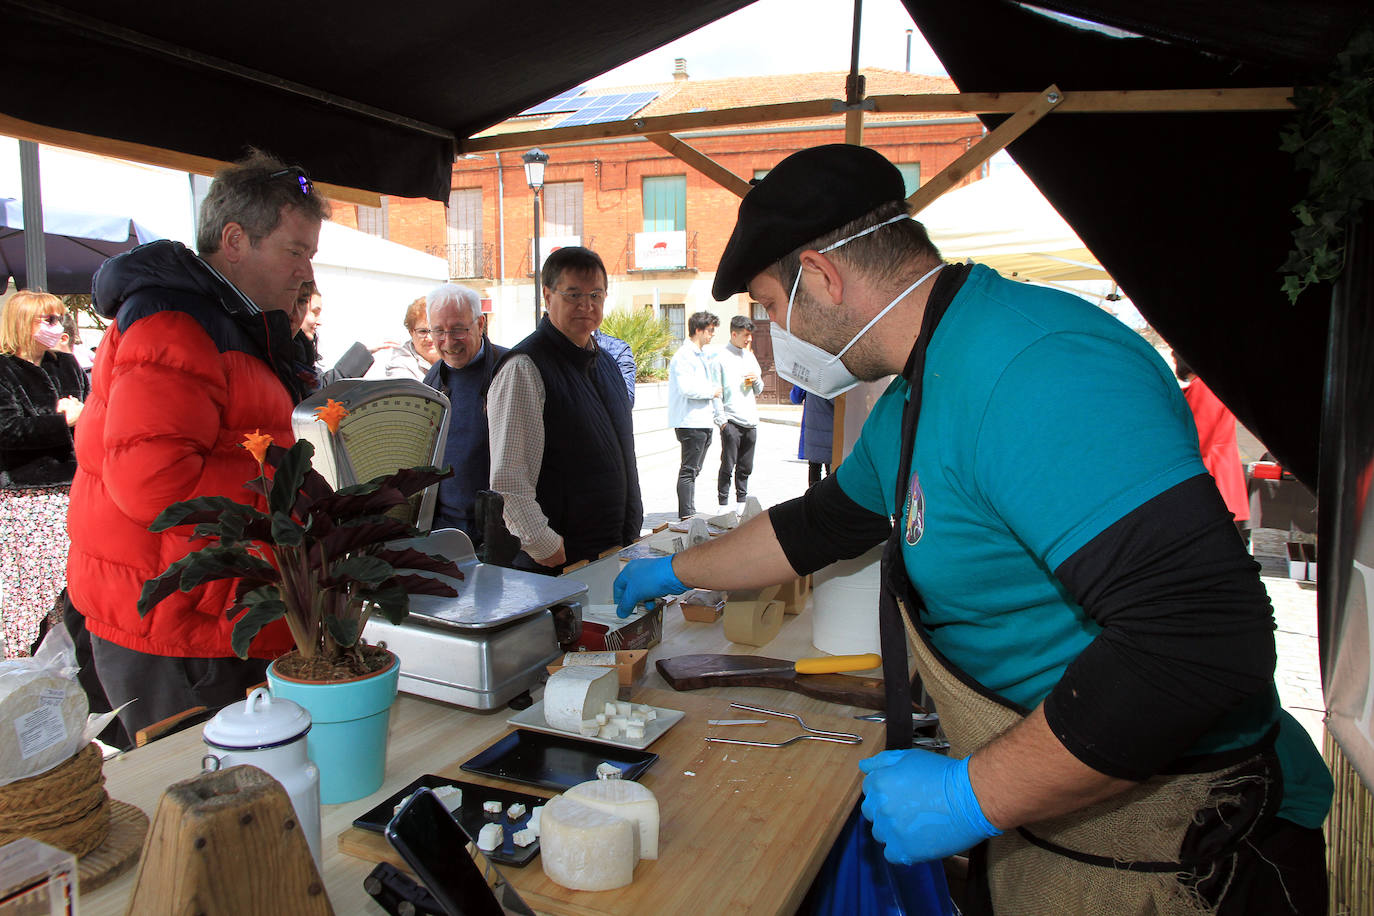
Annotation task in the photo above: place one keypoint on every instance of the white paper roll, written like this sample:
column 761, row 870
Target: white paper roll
column 844, row 602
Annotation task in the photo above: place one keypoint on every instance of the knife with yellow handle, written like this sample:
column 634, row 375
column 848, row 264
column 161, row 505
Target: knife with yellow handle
column 834, row 664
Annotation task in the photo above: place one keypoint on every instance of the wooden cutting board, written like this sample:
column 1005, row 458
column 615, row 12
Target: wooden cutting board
column 743, row 829
column 692, row 672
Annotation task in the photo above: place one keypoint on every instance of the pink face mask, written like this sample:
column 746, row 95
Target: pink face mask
column 48, row 335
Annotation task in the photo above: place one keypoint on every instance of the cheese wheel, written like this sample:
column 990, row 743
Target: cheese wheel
column 41, row 719
column 624, row 799
column 574, row 694
column 586, row 849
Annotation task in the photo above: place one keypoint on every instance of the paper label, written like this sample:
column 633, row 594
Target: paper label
column 40, row 730
column 53, row 696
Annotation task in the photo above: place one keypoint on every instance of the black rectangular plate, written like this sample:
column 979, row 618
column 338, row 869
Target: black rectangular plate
column 470, row 816
column 554, row 761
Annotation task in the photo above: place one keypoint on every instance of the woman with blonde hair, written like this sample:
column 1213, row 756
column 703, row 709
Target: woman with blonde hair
column 41, row 393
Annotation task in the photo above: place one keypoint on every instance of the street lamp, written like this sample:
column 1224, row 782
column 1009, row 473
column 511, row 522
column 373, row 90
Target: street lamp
column 535, row 160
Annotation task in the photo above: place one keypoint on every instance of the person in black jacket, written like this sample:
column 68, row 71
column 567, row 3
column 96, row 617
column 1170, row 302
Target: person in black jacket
column 41, row 394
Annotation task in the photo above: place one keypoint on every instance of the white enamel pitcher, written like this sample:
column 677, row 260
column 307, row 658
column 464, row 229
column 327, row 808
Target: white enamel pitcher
column 270, row 734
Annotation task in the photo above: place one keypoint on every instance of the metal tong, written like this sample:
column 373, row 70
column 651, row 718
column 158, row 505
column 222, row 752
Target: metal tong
column 813, row 734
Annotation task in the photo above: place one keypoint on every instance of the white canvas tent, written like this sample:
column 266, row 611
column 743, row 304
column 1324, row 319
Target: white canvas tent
column 367, row 283
column 1004, row 222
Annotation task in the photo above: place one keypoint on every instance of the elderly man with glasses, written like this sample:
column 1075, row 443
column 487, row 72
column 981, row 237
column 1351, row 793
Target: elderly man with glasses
column 197, row 355
column 562, row 443
column 463, row 371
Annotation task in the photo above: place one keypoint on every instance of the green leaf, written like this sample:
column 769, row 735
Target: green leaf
column 166, row 583
column 344, row 632
column 424, row 585
column 368, row 570
column 410, row 481
column 409, row 558
column 202, row 510
column 391, row 599
column 286, row 531
column 214, row 563
column 291, row 469
column 260, row 613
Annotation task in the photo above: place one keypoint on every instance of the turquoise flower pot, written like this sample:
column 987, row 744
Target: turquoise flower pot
column 348, row 728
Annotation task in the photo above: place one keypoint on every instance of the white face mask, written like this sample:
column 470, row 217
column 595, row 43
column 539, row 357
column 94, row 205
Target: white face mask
column 48, row 335
column 818, row 371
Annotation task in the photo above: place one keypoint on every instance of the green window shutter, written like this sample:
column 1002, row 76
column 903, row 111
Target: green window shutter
column 665, row 203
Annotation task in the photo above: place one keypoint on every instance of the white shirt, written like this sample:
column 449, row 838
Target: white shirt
column 692, row 384
column 733, row 365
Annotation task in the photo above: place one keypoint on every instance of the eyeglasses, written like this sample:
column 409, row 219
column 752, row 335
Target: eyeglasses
column 421, row 332
column 302, row 180
column 439, row 333
column 596, row 298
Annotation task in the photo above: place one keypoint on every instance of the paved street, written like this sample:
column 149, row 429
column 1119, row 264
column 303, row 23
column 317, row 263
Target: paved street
column 779, row 475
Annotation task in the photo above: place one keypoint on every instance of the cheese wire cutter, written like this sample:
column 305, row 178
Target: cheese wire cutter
column 813, row 734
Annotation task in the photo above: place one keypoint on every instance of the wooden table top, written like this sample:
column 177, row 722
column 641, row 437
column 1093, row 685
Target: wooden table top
column 744, row 829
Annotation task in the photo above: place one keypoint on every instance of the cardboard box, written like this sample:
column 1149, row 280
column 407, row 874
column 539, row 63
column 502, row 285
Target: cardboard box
column 702, row 606
column 603, row 631
column 629, row 665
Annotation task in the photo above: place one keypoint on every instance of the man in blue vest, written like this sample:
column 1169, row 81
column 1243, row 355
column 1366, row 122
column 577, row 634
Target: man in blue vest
column 466, row 362
column 562, row 442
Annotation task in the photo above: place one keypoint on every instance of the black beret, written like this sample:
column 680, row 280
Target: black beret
column 806, row 195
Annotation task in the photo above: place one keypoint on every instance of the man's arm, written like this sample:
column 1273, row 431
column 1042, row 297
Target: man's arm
column 515, row 421
column 692, row 377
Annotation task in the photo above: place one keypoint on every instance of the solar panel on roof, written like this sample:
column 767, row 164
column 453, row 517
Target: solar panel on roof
column 613, row 107
column 564, row 101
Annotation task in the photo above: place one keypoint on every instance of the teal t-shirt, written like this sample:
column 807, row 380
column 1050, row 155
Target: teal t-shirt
column 1044, row 421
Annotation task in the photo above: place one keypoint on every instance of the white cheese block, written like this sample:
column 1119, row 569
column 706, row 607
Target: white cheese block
column 607, row 770
column 574, row 694
column 624, row 799
column 515, row 811
column 490, row 837
column 533, row 823
column 586, row 849
column 451, row 796
column 523, row 838
column 492, row 807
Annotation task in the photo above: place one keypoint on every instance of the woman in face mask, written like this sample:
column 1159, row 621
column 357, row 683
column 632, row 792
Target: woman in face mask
column 41, row 393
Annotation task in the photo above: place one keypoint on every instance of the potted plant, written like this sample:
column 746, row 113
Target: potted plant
column 322, row 561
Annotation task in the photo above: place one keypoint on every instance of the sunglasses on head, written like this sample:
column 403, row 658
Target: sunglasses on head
column 296, row 172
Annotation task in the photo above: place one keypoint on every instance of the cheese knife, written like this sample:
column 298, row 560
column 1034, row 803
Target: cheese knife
column 813, row 677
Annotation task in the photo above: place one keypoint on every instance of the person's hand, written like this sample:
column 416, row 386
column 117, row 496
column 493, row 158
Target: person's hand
column 556, row 560
column 719, row 392
column 922, row 806
column 644, row 580
column 747, row 383
column 70, row 408
column 384, row 345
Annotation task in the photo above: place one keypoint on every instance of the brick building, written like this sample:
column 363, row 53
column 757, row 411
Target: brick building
column 659, row 224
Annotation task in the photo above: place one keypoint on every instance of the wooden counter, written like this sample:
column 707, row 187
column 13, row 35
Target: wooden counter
column 744, row 829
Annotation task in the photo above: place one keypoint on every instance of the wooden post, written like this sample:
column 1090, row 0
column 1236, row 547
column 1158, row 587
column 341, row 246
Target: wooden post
column 227, row 842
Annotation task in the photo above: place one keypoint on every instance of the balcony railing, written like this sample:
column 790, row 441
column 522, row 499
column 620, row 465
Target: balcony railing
column 467, row 261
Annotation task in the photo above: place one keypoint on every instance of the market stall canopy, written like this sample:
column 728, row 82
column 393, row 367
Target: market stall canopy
column 77, row 244
column 1004, row 222
column 1189, row 212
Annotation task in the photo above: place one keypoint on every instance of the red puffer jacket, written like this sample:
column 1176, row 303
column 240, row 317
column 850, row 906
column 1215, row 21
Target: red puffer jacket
column 190, row 366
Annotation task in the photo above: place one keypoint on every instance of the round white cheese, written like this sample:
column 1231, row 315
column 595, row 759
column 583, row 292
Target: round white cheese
column 624, row 799
column 575, row 694
column 586, row 849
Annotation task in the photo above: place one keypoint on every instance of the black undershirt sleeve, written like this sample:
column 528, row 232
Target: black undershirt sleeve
column 1188, row 633
column 824, row 525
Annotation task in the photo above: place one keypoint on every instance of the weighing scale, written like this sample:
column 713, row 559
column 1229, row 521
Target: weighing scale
column 490, row 644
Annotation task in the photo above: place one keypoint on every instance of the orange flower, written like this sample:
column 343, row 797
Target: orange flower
column 256, row 442
column 332, row 413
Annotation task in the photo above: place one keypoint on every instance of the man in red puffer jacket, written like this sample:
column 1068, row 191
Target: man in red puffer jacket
column 198, row 355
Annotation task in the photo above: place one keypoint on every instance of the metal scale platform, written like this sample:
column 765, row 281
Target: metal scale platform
column 485, row 647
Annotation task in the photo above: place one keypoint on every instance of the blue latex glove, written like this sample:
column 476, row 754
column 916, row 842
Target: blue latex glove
column 645, row 580
column 922, row 806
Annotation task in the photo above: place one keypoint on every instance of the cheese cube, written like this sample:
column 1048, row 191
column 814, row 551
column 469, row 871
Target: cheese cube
column 490, row 837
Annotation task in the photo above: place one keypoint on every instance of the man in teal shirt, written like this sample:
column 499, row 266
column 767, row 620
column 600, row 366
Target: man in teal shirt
column 1074, row 565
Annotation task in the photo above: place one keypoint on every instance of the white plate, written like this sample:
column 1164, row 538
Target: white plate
column 653, row 729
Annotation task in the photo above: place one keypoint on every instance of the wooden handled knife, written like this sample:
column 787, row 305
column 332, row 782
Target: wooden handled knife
column 692, row 672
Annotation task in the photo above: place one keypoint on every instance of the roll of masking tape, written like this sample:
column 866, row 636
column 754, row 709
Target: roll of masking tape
column 753, row 623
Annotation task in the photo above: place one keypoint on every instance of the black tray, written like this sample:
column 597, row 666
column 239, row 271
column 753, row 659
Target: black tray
column 470, row 816
column 555, row 761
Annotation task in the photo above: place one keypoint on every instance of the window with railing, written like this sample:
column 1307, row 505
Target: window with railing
column 665, row 203
column 562, row 215
column 463, row 247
